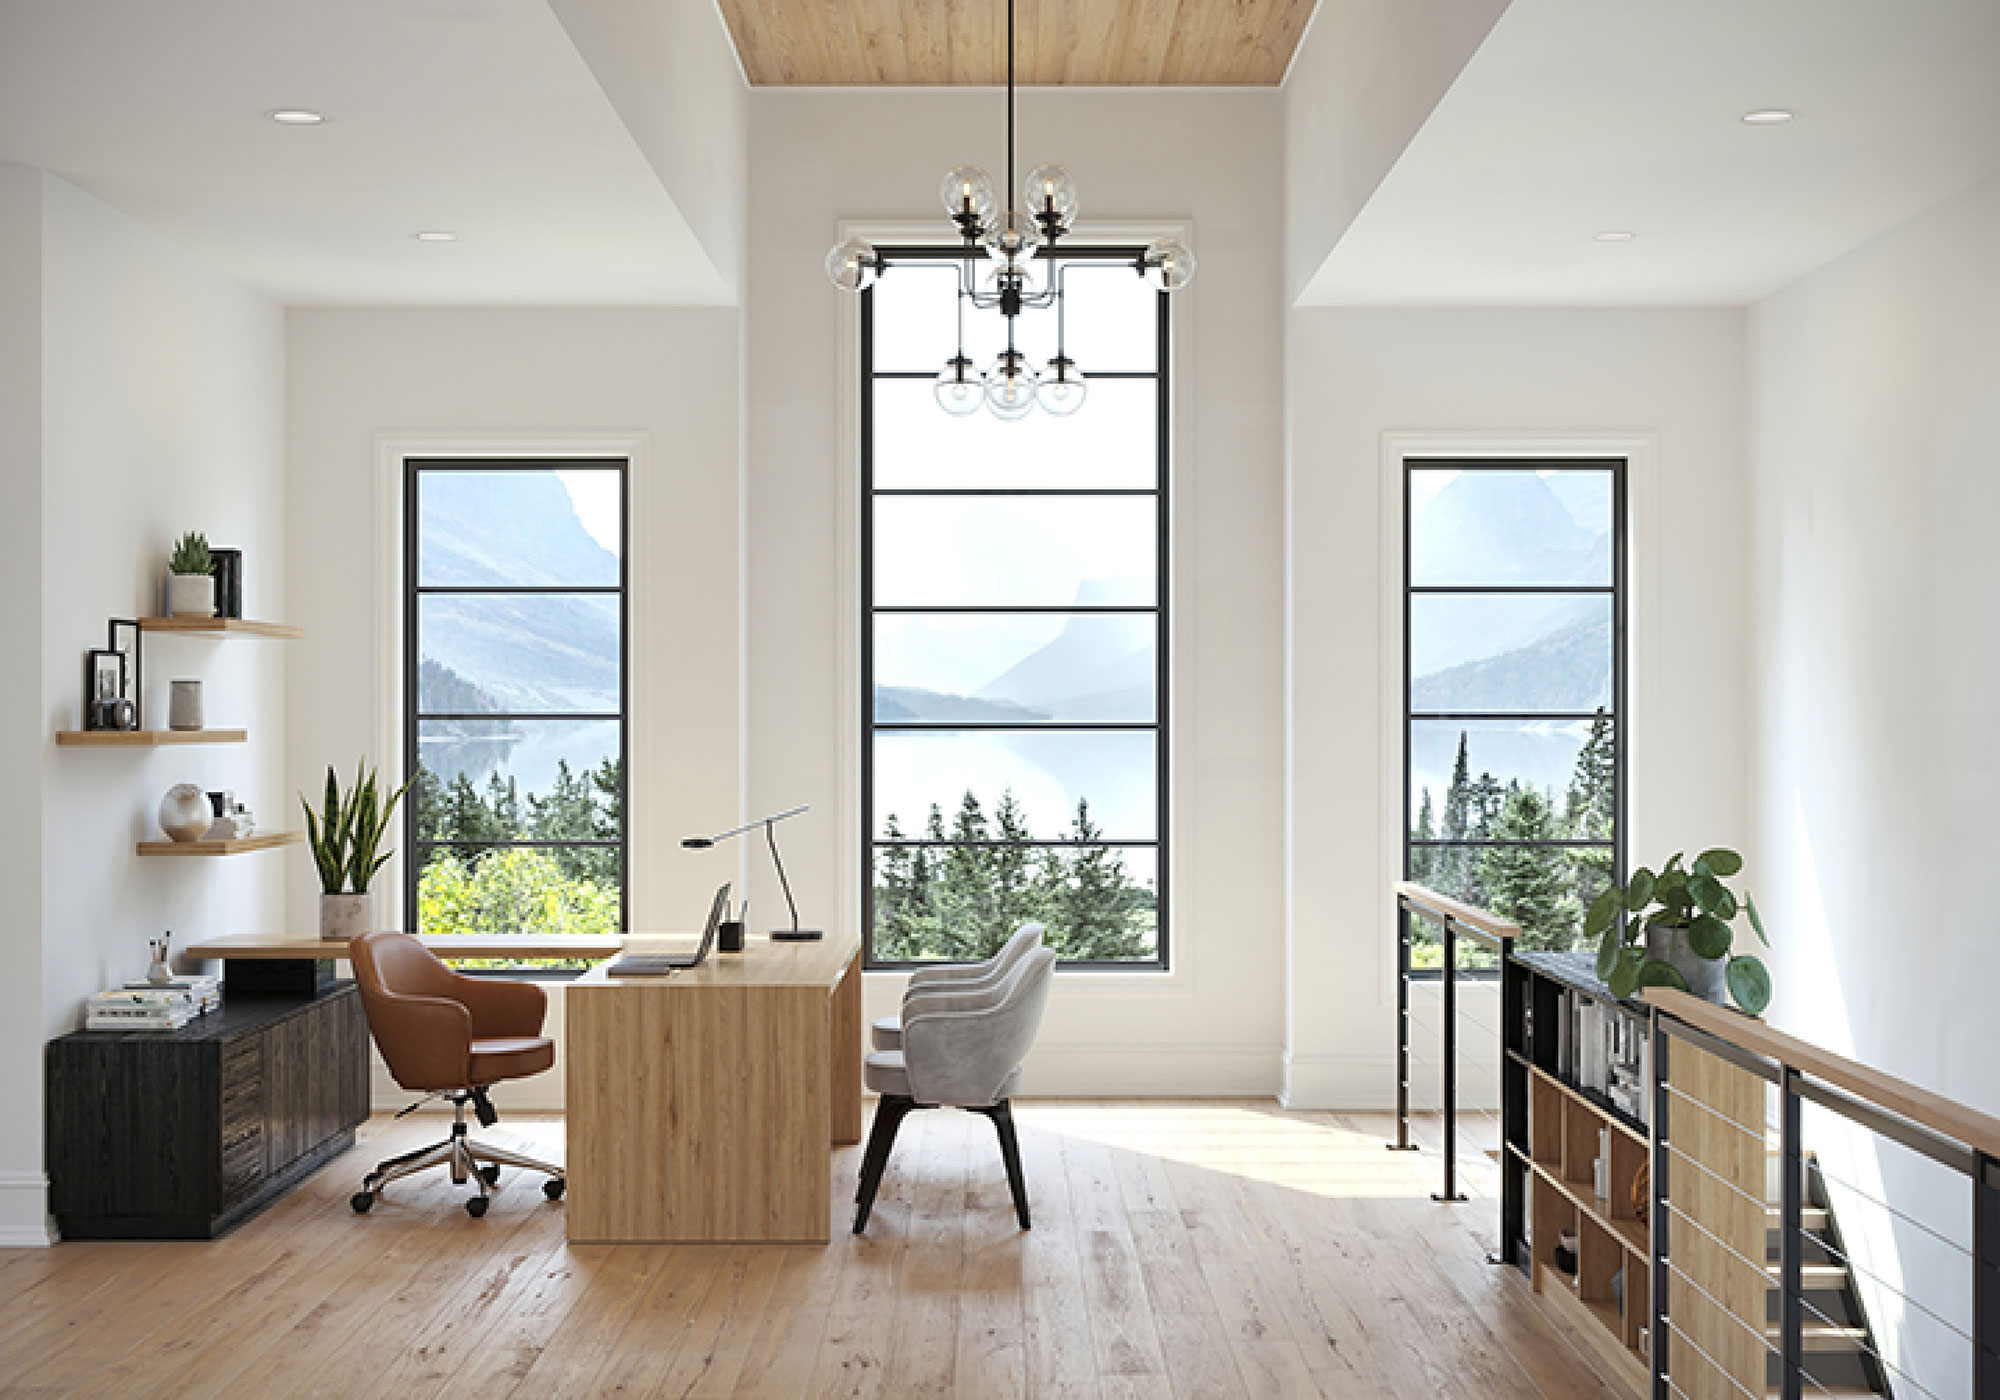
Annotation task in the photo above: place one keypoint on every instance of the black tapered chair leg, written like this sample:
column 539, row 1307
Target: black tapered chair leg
column 1002, row 1114
column 890, row 1112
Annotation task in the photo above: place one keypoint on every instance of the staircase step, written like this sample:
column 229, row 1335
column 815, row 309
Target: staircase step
column 1823, row 1336
column 1811, row 1218
column 1815, row 1276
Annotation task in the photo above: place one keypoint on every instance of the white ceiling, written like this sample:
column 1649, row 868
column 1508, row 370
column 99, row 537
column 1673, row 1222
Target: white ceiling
column 476, row 116
column 1578, row 116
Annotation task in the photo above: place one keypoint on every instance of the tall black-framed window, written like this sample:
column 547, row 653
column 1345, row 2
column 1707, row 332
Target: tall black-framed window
column 1514, row 640
column 1014, row 627
column 515, row 695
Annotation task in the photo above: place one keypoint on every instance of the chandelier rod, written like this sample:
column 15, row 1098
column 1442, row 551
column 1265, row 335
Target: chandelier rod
column 1010, row 106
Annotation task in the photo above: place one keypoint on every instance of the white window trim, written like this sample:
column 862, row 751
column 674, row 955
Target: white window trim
column 391, row 449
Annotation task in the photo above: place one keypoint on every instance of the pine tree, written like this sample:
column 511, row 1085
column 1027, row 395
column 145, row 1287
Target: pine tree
column 1590, row 812
column 426, row 799
column 1423, row 858
column 1530, row 885
column 1094, row 910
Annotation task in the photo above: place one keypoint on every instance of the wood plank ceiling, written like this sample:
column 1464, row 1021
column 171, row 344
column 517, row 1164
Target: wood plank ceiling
column 937, row 43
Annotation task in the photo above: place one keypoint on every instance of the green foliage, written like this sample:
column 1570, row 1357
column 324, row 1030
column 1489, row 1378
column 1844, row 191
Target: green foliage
column 962, row 901
column 518, row 890
column 191, row 555
column 1522, row 883
column 346, row 834
column 1681, row 896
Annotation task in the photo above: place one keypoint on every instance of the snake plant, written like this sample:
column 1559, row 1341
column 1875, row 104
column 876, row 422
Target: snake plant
column 346, row 835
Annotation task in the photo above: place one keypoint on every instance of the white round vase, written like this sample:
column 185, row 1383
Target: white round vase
column 343, row 916
column 185, row 814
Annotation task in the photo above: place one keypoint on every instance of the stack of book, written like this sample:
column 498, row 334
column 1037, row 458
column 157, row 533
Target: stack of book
column 145, row 1007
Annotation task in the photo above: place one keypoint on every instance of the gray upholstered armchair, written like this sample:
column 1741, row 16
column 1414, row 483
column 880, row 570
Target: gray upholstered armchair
column 958, row 977
column 961, row 1049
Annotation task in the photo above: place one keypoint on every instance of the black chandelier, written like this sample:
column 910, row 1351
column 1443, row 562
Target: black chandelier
column 1011, row 386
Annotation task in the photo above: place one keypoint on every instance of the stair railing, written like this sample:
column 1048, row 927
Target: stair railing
column 1718, row 1079
column 1456, row 920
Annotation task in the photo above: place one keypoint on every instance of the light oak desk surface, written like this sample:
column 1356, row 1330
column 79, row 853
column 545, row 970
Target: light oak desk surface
column 703, row 1105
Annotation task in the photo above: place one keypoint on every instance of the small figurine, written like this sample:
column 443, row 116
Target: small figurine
column 159, row 974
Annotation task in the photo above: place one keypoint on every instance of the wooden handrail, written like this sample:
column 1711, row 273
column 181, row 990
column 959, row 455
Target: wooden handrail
column 1443, row 906
column 1934, row 1111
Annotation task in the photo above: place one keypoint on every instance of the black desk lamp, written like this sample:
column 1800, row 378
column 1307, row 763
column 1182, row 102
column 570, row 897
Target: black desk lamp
column 702, row 843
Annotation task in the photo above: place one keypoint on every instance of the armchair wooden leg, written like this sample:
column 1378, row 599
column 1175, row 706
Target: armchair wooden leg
column 890, row 1112
column 1002, row 1114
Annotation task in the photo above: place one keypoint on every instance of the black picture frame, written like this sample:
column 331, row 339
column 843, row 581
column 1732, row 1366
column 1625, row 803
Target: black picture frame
column 103, row 687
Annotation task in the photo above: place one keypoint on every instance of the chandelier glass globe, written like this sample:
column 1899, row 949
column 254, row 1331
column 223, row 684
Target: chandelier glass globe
column 852, row 265
column 960, row 390
column 1063, row 387
column 1014, row 239
column 1047, row 191
column 968, row 190
column 1173, row 260
column 1010, row 386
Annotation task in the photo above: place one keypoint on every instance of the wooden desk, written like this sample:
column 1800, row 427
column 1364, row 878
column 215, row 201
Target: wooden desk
column 702, row 1105
column 301, row 964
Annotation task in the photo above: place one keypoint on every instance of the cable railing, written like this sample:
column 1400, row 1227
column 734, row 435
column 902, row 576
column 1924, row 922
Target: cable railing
column 1886, row 1223
column 1456, row 920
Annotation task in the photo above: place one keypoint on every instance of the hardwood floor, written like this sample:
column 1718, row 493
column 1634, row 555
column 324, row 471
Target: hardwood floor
column 1214, row 1248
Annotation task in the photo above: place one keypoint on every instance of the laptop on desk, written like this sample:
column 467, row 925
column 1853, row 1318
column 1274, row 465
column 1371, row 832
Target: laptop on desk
column 659, row 964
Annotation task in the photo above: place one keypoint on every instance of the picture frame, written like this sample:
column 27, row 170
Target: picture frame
column 104, row 685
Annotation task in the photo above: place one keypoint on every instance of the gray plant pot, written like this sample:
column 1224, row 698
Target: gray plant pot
column 343, row 916
column 1668, row 943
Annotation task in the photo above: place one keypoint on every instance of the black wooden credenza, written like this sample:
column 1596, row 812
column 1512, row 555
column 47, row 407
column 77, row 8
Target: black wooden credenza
column 183, row 1134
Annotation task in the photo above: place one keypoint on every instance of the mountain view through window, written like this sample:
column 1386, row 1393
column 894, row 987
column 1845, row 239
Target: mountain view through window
column 1514, row 683
column 1013, row 625
column 515, row 685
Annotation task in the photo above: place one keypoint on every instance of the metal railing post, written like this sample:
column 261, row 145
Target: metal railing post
column 1791, row 1220
column 1986, row 1278
column 1656, row 1332
column 1402, row 1142
column 1450, row 1069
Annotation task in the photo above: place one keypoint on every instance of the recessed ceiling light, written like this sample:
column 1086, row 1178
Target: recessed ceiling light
column 1616, row 235
column 1768, row 116
column 296, row 116
column 436, row 235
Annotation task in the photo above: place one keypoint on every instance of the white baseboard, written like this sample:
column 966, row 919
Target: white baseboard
column 24, row 1211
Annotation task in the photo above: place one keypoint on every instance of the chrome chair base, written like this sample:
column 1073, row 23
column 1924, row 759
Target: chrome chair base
column 469, row 1160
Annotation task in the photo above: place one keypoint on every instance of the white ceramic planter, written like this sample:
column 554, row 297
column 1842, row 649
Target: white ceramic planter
column 191, row 595
column 342, row 916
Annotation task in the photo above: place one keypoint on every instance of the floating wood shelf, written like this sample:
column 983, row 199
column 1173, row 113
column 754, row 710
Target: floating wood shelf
column 146, row 738
column 222, row 627
column 262, row 841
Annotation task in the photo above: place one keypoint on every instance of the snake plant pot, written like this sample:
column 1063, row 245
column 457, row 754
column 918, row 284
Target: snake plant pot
column 191, row 595
column 342, row 916
column 1706, row 978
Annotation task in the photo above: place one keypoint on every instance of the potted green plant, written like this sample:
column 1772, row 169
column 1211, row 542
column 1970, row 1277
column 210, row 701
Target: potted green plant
column 191, row 578
column 1678, row 933
column 346, row 839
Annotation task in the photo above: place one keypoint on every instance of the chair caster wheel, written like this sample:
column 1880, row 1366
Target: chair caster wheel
column 553, row 1188
column 492, row 1175
column 476, row 1207
column 361, row 1201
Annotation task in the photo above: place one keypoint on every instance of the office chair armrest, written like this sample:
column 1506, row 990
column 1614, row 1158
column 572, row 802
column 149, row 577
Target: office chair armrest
column 957, row 972
column 949, row 996
column 426, row 1040
column 502, row 1008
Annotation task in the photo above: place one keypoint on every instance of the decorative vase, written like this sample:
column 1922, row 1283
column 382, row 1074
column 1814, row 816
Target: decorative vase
column 184, row 705
column 185, row 814
column 1668, row 943
column 343, row 916
column 191, row 595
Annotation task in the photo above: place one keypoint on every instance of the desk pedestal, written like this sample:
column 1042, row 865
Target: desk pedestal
column 702, row 1106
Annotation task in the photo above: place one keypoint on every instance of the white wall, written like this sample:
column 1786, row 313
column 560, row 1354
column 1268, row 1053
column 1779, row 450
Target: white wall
column 1362, row 83
column 817, row 158
column 23, row 743
column 1669, row 383
column 514, row 382
column 1875, row 409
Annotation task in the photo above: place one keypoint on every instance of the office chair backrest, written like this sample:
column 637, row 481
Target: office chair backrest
column 418, row 1018
column 961, row 1050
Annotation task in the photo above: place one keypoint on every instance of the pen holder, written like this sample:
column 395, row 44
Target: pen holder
column 729, row 936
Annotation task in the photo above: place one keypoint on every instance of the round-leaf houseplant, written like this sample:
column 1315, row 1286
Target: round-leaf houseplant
column 1676, row 932
column 346, row 839
column 191, row 578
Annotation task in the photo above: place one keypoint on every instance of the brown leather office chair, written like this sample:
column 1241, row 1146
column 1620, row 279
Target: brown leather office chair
column 444, row 1034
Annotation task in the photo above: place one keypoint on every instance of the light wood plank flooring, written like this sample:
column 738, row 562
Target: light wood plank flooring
column 1216, row 1248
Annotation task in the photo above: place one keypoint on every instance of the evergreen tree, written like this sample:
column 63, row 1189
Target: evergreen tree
column 1423, row 859
column 1590, row 810
column 426, row 799
column 1529, row 885
column 503, row 802
column 1094, row 910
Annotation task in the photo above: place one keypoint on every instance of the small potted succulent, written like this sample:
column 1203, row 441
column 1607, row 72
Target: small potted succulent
column 1686, row 941
column 191, row 578
column 346, row 838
